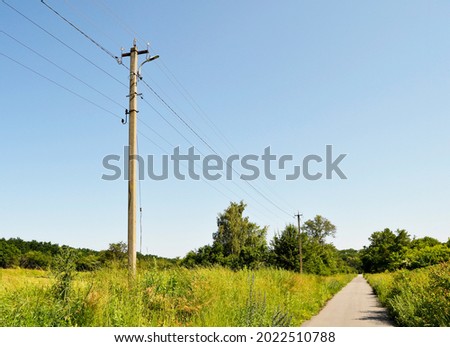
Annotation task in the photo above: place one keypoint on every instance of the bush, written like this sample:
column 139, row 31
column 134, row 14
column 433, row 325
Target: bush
column 9, row 255
column 35, row 260
column 429, row 255
column 88, row 263
column 416, row 298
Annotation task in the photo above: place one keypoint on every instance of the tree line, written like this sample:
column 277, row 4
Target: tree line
column 16, row 252
column 239, row 243
column 393, row 250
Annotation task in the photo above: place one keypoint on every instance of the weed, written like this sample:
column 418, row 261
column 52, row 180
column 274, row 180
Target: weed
column 162, row 297
column 416, row 298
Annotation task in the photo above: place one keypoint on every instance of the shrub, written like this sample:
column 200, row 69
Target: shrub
column 416, row 298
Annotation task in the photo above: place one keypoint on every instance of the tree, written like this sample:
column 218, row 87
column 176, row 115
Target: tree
column 87, row 262
column 237, row 236
column 284, row 248
column 323, row 259
column 319, row 228
column 204, row 256
column 237, row 243
column 35, row 260
column 9, row 254
column 427, row 255
column 116, row 252
column 318, row 258
column 376, row 256
column 352, row 258
column 387, row 251
column 424, row 242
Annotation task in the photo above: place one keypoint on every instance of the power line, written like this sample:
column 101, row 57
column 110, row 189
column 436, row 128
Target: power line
column 62, row 69
column 212, row 149
column 153, row 91
column 177, row 115
column 154, row 132
column 167, row 122
column 194, row 104
column 82, row 32
column 165, row 103
column 196, row 164
column 60, row 85
column 197, row 108
column 116, row 58
column 118, row 20
column 63, row 43
column 202, row 179
column 93, row 22
column 167, row 97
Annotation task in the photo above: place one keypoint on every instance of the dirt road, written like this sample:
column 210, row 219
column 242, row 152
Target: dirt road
column 354, row 306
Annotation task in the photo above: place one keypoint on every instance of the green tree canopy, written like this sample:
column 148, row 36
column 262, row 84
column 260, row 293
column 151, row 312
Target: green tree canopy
column 236, row 234
column 424, row 242
column 285, row 248
column 9, row 254
column 386, row 251
column 319, row 228
column 237, row 243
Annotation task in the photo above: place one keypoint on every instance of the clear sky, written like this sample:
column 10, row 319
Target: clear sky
column 370, row 78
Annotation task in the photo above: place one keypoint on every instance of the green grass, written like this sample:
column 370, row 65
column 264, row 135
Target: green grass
column 417, row 298
column 175, row 297
column 16, row 278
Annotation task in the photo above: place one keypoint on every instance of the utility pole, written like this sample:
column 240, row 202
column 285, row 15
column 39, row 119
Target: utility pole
column 298, row 215
column 132, row 153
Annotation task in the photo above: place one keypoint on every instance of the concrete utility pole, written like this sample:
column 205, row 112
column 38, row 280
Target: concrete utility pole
column 132, row 153
column 298, row 215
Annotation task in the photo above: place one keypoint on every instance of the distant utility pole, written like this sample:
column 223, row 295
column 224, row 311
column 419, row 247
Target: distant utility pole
column 298, row 215
column 132, row 152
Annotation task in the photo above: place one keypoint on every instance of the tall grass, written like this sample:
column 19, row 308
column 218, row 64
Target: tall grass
column 417, row 298
column 174, row 297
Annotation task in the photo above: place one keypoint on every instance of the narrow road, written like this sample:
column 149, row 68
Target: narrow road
column 354, row 306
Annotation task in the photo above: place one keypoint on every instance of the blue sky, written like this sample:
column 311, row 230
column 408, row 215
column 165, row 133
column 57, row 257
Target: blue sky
column 369, row 78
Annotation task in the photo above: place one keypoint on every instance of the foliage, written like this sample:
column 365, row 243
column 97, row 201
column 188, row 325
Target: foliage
column 352, row 258
column 117, row 252
column 319, row 228
column 426, row 256
column 285, row 248
column 174, row 297
column 318, row 257
column 395, row 250
column 236, row 234
column 255, row 313
column 89, row 262
column 237, row 243
column 64, row 267
column 9, row 254
column 42, row 255
column 416, row 298
column 35, row 260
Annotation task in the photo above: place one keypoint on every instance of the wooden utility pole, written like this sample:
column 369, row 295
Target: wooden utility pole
column 132, row 153
column 298, row 215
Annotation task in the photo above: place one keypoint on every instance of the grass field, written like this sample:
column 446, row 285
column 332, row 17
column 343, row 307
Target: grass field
column 416, row 298
column 176, row 297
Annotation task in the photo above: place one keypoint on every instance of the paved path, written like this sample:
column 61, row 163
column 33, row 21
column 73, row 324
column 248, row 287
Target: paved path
column 354, row 306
